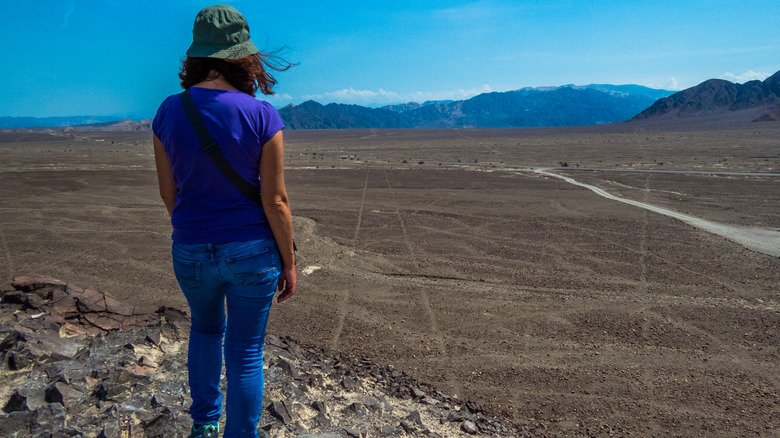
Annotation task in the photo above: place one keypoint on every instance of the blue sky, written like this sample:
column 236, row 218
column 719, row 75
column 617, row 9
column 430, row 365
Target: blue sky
column 101, row 57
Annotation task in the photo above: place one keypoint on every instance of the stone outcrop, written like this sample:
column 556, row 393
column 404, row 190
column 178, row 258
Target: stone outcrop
column 79, row 363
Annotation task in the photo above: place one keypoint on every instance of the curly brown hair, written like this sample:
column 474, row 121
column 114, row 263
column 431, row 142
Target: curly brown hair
column 247, row 74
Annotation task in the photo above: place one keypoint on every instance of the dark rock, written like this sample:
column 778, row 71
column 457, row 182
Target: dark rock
column 15, row 423
column 16, row 402
column 357, row 409
column 274, row 340
column 408, row 427
column 62, row 394
column 388, row 430
column 13, row 297
column 315, row 381
column 469, row 427
column 52, row 346
column 354, row 433
column 454, row 416
column 349, row 384
column 289, row 368
column 166, row 425
column 414, row 417
column 17, row 361
column 110, row 430
column 281, row 411
column 372, row 404
column 320, row 406
column 109, row 391
column 146, row 362
column 10, row 341
column 34, row 301
column 416, row 393
column 322, row 421
column 48, row 418
column 29, row 283
column 293, row 392
column 155, row 338
column 160, row 400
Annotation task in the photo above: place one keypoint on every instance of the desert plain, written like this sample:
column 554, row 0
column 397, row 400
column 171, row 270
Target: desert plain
column 447, row 254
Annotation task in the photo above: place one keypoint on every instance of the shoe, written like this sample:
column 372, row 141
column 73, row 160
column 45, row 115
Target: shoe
column 210, row 430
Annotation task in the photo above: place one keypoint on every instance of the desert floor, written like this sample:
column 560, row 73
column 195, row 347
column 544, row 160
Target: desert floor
column 443, row 253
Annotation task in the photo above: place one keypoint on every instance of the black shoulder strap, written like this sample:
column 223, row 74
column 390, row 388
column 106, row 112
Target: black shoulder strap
column 211, row 148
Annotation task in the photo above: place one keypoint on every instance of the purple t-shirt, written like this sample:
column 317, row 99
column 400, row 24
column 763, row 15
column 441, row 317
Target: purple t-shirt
column 209, row 209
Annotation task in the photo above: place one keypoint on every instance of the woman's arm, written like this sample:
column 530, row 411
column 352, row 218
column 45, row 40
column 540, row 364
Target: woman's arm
column 277, row 210
column 168, row 188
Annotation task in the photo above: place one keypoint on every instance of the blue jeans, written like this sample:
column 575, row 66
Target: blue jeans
column 245, row 275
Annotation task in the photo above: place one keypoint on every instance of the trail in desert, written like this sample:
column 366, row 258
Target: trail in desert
column 766, row 241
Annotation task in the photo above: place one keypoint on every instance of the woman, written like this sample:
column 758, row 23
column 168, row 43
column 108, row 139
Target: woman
column 226, row 248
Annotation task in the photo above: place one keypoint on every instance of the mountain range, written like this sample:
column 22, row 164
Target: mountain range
column 567, row 105
column 714, row 100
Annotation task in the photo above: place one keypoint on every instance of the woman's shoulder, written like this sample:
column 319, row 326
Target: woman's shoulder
column 261, row 107
column 266, row 107
column 163, row 110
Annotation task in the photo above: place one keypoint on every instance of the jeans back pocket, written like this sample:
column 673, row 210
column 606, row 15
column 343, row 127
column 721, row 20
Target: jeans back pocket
column 188, row 273
column 259, row 265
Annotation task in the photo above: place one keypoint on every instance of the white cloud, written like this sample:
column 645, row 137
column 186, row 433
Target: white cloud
column 672, row 85
column 351, row 95
column 277, row 96
column 384, row 97
column 278, row 99
column 744, row 77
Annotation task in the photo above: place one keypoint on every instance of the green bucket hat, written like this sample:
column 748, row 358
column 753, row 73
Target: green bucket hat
column 221, row 31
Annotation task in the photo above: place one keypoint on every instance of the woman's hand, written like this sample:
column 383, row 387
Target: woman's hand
column 286, row 284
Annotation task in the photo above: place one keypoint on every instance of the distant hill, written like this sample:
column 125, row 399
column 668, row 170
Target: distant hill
column 314, row 115
column 529, row 107
column 771, row 116
column 123, row 125
column 717, row 97
column 41, row 122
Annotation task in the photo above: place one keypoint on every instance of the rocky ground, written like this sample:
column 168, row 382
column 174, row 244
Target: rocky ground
column 79, row 363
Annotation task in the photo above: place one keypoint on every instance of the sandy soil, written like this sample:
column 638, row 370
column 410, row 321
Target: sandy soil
column 549, row 305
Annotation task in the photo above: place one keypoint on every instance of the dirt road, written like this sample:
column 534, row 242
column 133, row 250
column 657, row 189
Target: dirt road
column 765, row 241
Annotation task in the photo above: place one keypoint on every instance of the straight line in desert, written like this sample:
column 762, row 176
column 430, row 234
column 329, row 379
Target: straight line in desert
column 425, row 300
column 763, row 240
column 362, row 204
